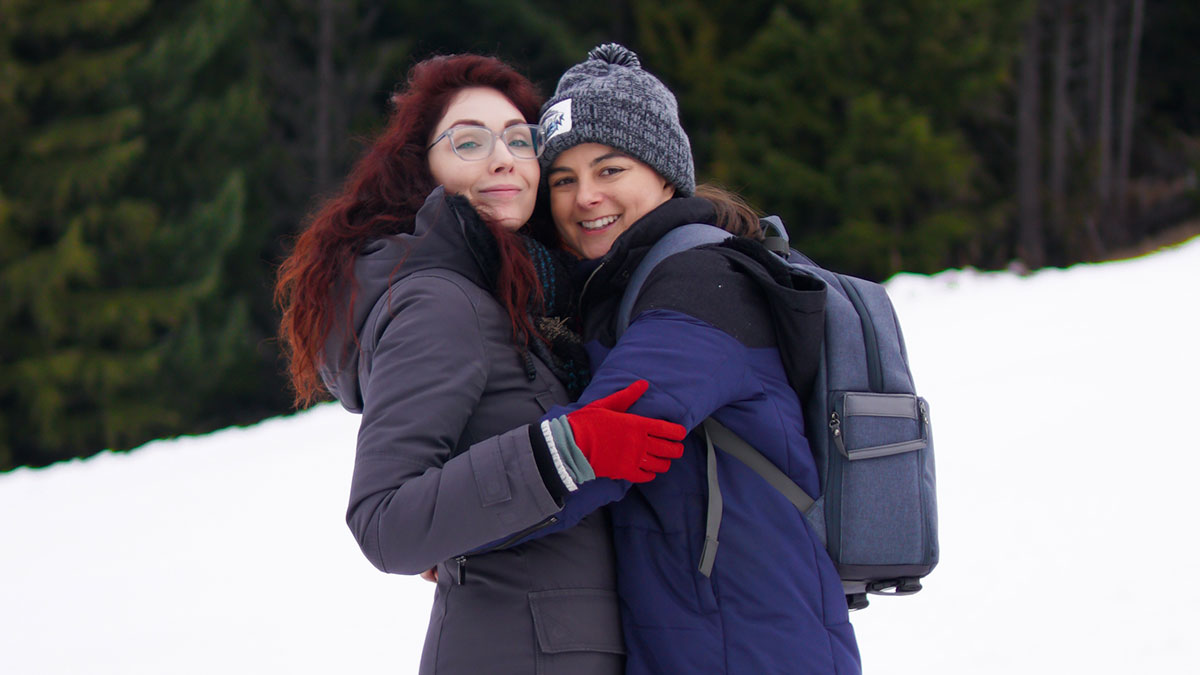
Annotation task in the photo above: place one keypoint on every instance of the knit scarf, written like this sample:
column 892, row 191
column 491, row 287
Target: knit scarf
column 556, row 319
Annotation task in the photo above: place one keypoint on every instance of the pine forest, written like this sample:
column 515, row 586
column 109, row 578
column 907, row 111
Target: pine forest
column 158, row 157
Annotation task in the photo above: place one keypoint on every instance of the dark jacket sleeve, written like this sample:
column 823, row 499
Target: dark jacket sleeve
column 693, row 368
column 423, row 371
column 693, row 325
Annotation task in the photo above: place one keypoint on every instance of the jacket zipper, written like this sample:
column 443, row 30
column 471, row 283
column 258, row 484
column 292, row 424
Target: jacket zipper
column 460, row 562
column 583, row 293
column 525, row 533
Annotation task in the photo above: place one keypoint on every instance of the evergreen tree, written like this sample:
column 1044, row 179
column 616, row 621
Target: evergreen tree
column 123, row 178
column 539, row 37
column 329, row 67
column 846, row 118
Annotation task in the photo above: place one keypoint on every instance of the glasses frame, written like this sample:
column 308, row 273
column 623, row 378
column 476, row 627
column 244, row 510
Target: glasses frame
column 534, row 129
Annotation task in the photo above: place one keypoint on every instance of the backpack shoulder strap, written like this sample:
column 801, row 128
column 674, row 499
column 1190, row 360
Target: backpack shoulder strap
column 677, row 240
column 736, row 446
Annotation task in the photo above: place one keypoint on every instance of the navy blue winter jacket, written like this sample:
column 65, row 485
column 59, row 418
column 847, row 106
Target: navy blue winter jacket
column 702, row 337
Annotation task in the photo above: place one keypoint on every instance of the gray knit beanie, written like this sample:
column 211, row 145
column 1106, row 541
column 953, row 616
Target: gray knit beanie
column 609, row 99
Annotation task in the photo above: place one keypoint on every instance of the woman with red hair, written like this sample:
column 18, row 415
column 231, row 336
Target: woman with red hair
column 412, row 299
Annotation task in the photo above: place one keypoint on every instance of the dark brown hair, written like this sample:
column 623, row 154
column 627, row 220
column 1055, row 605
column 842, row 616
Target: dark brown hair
column 734, row 215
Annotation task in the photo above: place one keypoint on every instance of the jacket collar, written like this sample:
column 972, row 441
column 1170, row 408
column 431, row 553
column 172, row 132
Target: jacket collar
column 611, row 273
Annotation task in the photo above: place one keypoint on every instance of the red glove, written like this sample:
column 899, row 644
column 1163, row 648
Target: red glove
column 620, row 445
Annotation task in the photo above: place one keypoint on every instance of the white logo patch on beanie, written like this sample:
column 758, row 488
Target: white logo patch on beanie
column 557, row 120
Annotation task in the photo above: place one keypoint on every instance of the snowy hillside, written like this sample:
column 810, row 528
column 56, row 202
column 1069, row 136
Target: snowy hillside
column 1066, row 466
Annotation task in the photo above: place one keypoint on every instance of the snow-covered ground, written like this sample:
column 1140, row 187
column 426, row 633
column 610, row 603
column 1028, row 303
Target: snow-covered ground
column 1067, row 470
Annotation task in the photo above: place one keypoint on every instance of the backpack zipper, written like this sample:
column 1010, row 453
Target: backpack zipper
column 870, row 340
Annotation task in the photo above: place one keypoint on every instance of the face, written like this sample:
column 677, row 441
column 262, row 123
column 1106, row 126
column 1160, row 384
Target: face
column 502, row 188
column 598, row 192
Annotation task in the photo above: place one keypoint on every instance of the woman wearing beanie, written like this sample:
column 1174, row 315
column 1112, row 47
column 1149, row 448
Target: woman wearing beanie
column 619, row 172
column 426, row 312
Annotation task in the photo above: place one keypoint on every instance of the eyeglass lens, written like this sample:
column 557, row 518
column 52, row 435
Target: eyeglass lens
column 475, row 143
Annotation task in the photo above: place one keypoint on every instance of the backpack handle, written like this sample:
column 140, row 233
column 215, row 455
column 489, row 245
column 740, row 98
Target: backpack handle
column 775, row 236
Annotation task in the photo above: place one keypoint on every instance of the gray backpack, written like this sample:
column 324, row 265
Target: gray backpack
column 868, row 430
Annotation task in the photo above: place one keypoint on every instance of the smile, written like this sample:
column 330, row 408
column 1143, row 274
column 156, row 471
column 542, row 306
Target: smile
column 501, row 191
column 599, row 223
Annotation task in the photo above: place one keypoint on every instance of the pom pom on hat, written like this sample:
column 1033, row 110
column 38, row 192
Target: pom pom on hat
column 618, row 55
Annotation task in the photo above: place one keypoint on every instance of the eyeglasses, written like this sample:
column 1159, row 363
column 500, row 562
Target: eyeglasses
column 474, row 143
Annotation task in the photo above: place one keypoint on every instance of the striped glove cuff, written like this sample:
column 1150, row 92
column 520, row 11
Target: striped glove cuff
column 573, row 468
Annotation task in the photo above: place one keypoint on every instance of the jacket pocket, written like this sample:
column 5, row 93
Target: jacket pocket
column 577, row 619
column 578, row 631
column 696, row 518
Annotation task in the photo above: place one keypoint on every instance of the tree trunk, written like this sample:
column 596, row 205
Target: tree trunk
column 323, row 154
column 1031, row 240
column 1104, row 125
column 1092, row 79
column 1058, row 122
column 1125, row 149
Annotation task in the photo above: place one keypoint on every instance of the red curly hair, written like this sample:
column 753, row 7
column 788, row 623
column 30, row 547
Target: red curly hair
column 381, row 196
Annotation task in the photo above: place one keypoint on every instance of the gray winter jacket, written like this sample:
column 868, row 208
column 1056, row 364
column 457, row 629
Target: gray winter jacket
column 444, row 467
